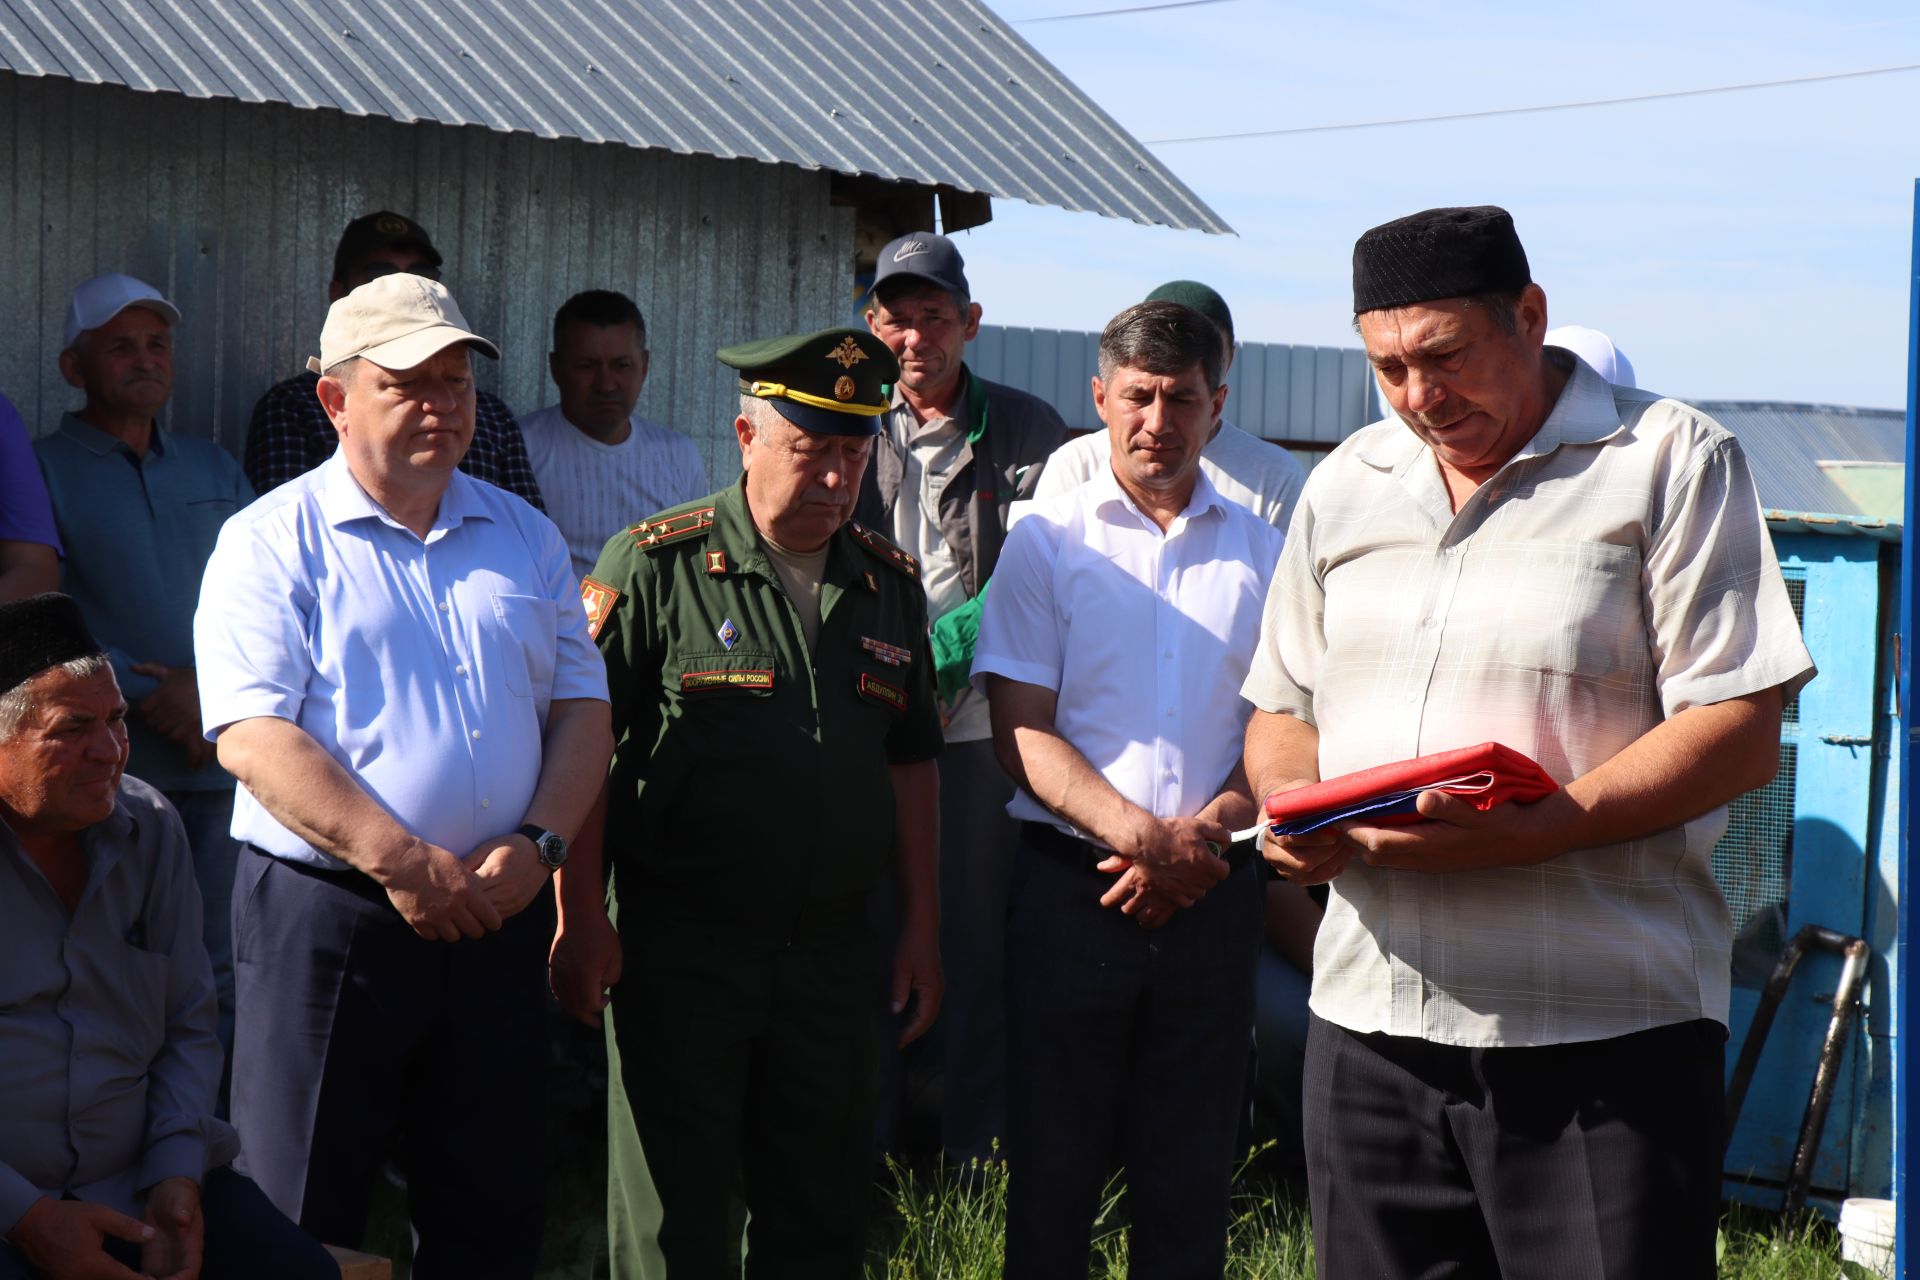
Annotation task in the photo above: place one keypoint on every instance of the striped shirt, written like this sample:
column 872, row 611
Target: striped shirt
column 595, row 490
column 1614, row 573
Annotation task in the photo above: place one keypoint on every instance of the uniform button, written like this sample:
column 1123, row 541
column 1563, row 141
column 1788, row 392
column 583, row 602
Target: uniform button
column 476, row 732
column 1169, row 653
column 1412, row 697
column 445, row 607
column 485, row 801
column 1429, row 623
column 460, row 670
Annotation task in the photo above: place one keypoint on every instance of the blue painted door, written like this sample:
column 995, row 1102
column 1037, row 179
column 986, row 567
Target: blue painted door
column 1795, row 853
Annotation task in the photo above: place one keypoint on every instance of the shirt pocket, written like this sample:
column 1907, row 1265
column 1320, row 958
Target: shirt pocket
column 1570, row 609
column 525, row 643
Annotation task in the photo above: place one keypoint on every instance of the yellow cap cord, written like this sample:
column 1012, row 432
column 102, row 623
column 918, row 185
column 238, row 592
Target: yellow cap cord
column 779, row 390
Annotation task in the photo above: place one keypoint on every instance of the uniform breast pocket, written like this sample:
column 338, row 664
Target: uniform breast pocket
column 525, row 643
column 722, row 678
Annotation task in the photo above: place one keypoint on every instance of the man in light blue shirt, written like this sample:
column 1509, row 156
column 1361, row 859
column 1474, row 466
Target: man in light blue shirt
column 138, row 509
column 395, row 664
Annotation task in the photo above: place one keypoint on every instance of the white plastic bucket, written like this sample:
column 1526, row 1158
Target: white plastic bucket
column 1866, row 1235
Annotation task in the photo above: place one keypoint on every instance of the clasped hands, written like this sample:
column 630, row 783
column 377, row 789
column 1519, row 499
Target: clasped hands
column 66, row 1239
column 446, row 898
column 1167, row 864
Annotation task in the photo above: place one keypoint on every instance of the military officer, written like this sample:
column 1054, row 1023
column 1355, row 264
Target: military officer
column 777, row 724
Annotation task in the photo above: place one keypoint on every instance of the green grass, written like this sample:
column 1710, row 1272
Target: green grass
column 949, row 1223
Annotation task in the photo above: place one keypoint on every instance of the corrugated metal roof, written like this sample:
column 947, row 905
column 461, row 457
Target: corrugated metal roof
column 1786, row 443
column 935, row 94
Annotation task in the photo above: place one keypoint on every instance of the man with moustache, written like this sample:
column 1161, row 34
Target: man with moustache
column 1121, row 618
column 138, row 508
column 777, row 728
column 396, row 666
column 1519, row 1020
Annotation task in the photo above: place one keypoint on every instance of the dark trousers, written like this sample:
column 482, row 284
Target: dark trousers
column 743, row 1069
column 966, row 1048
column 1127, row 1046
column 246, row 1239
column 354, row 1032
column 1559, row 1162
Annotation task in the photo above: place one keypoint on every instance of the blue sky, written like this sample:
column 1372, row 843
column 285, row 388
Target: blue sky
column 1751, row 245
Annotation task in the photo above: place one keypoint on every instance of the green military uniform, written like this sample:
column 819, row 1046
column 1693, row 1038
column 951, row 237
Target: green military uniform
column 750, row 813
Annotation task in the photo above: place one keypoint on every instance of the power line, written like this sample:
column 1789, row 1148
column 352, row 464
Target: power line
column 1521, row 111
column 1109, row 13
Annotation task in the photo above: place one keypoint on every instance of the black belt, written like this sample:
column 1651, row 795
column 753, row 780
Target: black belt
column 1085, row 855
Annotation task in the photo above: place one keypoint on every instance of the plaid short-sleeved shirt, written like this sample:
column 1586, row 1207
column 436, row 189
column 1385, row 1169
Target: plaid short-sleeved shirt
column 290, row 436
column 1612, row 574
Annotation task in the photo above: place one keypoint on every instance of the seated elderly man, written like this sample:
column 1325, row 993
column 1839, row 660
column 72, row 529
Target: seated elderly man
column 111, row 1158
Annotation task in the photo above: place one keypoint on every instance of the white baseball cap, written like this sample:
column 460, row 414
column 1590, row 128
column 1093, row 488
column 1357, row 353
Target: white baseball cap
column 100, row 299
column 397, row 321
column 1597, row 349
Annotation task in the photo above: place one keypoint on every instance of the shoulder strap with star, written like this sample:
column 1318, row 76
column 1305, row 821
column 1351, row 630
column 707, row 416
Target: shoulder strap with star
column 884, row 549
column 675, row 526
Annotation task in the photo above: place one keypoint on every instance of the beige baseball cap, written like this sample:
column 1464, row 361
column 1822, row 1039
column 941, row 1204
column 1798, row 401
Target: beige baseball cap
column 397, row 321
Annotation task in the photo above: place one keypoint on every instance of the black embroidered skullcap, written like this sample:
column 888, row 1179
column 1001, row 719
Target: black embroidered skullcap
column 1438, row 253
column 40, row 632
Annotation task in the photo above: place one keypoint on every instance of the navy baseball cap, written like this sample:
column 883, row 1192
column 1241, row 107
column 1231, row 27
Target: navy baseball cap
column 922, row 255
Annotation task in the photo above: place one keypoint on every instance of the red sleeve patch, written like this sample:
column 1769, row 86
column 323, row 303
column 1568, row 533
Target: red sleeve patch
column 599, row 598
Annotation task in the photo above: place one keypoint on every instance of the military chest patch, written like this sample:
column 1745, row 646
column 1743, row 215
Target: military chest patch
column 891, row 654
column 737, row 678
column 599, row 598
column 889, row 696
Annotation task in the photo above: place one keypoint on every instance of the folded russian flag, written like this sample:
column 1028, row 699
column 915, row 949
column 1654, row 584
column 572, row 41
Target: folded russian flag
column 1483, row 776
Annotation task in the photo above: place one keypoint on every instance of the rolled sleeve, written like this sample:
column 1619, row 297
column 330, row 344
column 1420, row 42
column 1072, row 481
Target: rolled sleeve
column 1719, row 618
column 1020, row 624
column 249, row 632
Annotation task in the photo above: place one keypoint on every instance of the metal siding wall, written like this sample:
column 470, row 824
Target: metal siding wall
column 233, row 211
column 1276, row 391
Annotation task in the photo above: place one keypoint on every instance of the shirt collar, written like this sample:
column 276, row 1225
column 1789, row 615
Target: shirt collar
column 100, row 444
column 101, row 844
column 1106, row 491
column 735, row 535
column 343, row 501
column 1584, row 414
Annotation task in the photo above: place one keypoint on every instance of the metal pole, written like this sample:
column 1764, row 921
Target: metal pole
column 1906, row 1023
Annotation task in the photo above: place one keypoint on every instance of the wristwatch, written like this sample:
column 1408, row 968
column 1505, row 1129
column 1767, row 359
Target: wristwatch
column 550, row 845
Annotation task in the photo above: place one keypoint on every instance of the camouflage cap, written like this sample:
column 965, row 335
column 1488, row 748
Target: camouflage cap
column 831, row 383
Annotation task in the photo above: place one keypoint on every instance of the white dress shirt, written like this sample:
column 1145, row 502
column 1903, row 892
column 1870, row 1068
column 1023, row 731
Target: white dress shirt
column 1614, row 573
column 1262, row 477
column 1144, row 636
column 594, row 490
column 425, row 666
